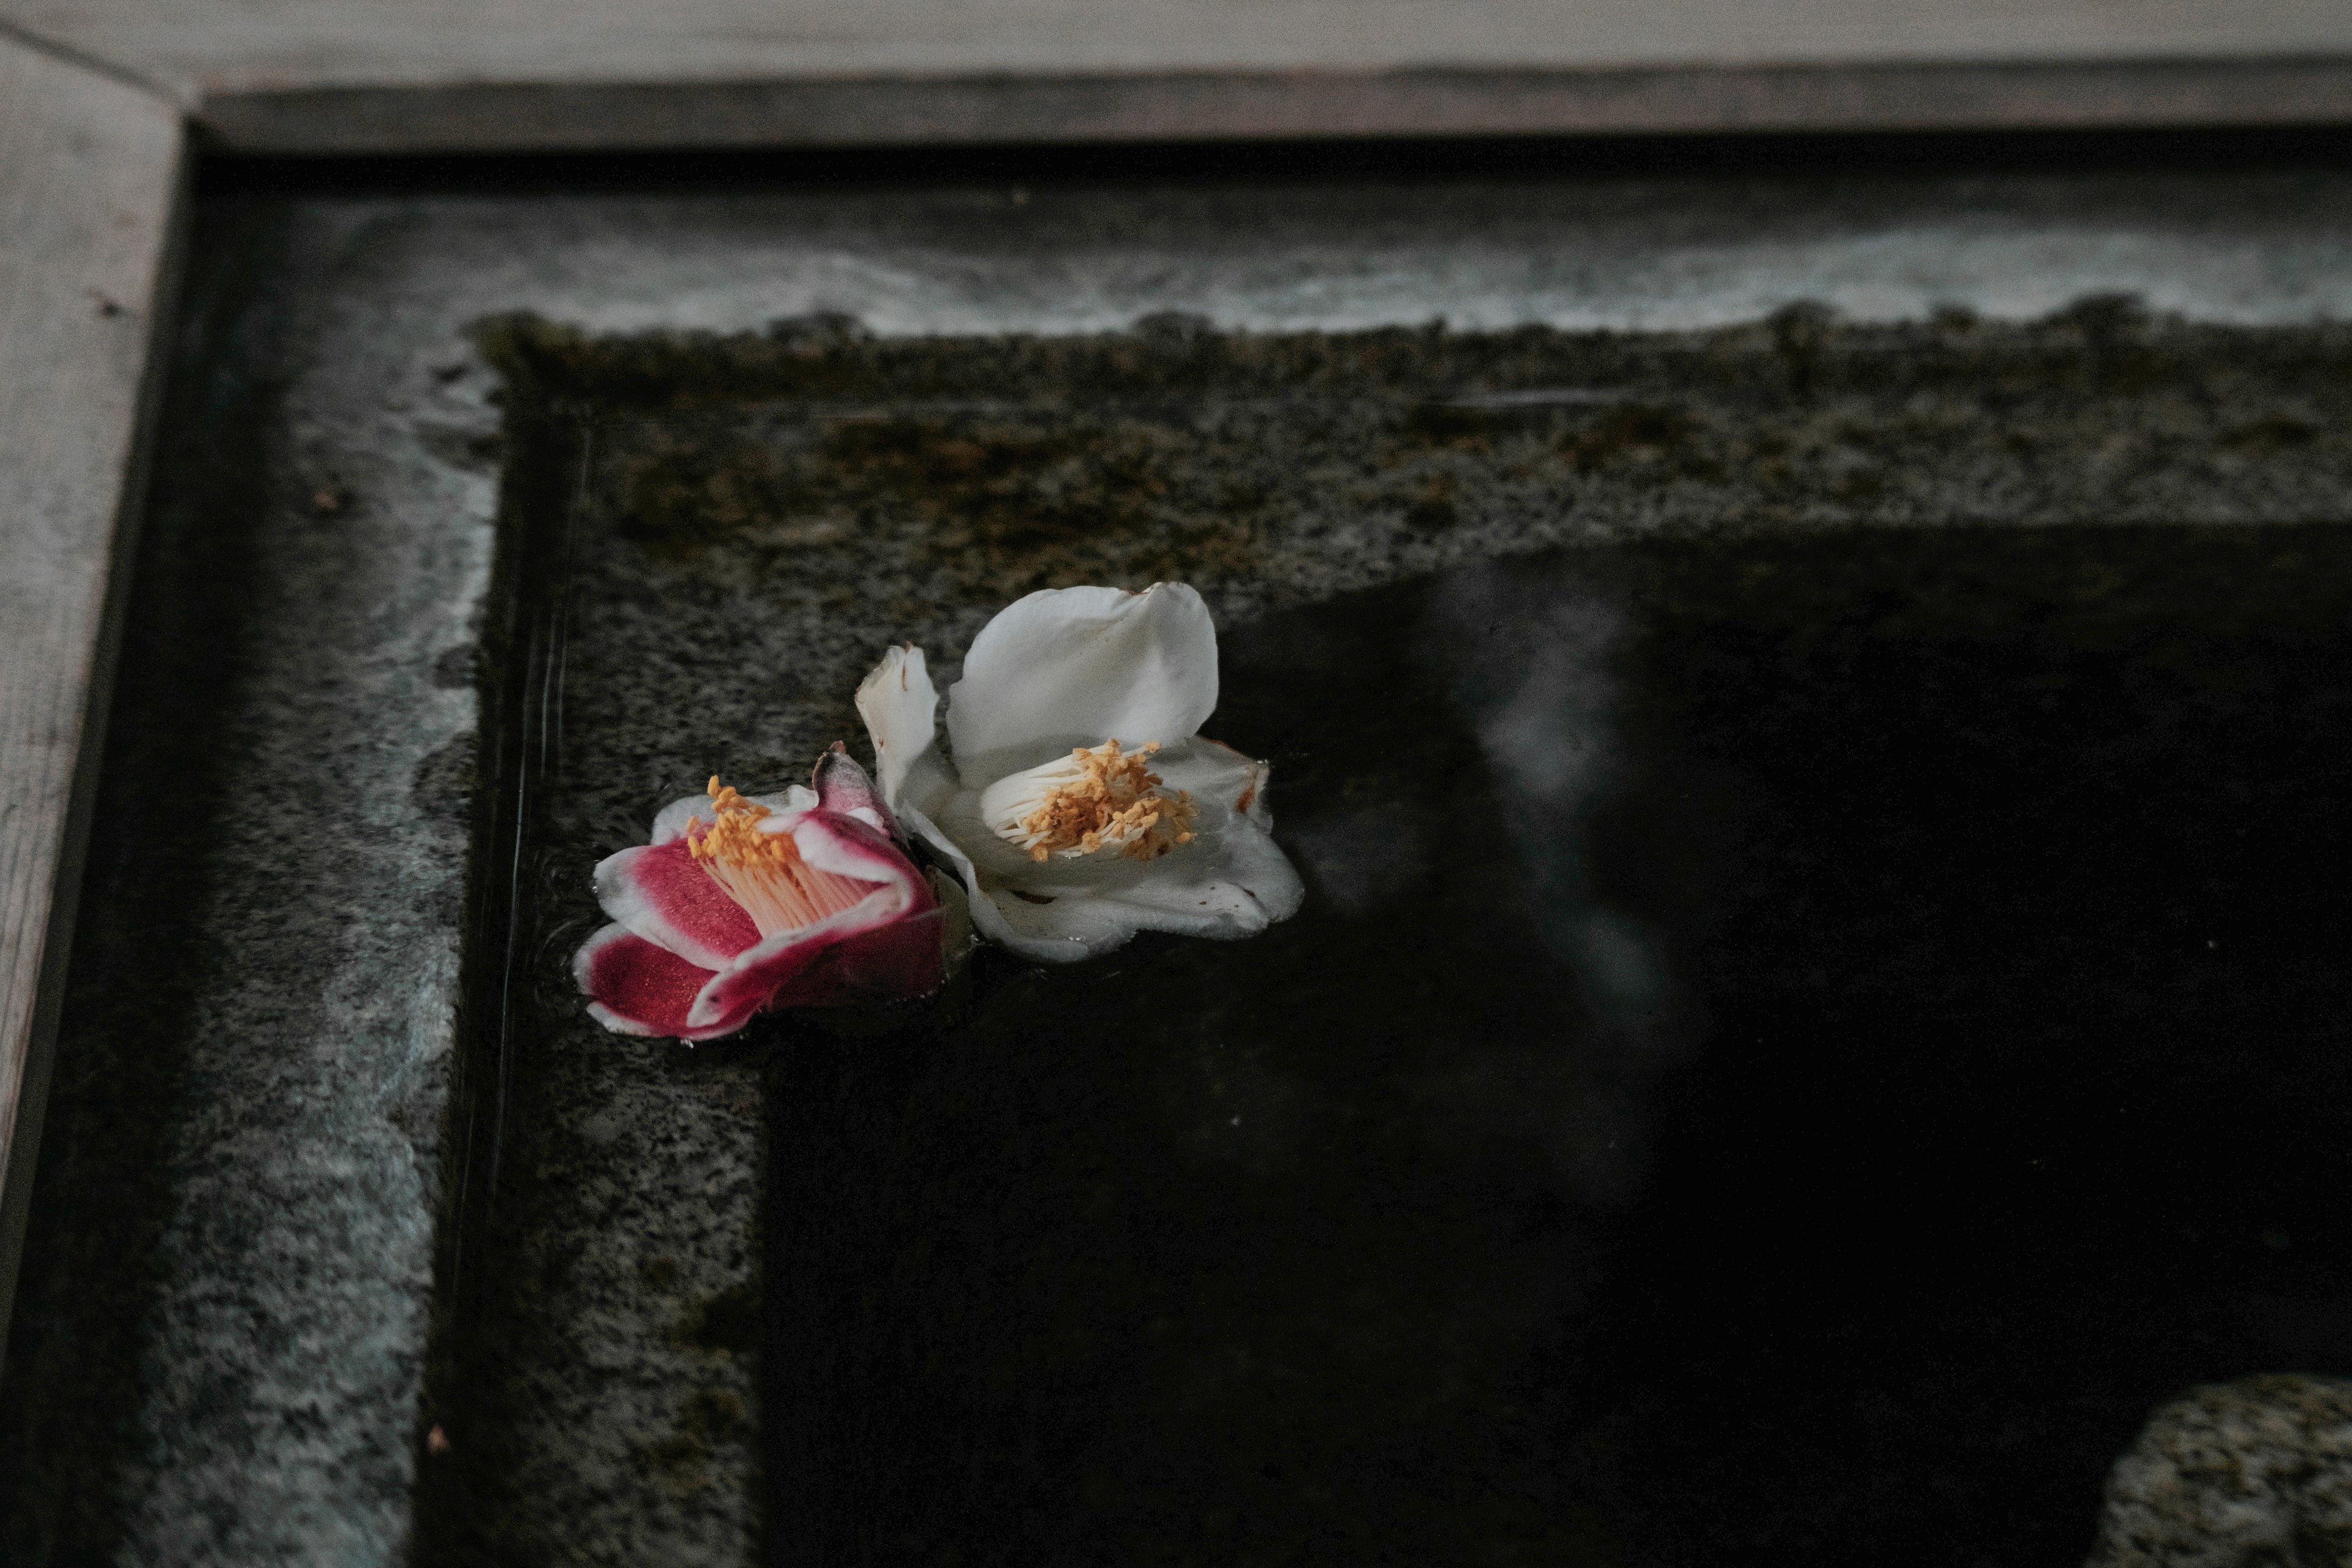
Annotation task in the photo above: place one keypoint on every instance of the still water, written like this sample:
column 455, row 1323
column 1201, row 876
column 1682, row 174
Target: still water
column 1792, row 1044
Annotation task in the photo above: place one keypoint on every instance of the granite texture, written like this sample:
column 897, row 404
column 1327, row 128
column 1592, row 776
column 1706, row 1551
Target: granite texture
column 2238, row 1475
column 1014, row 1296
column 221, row 1324
column 597, row 1389
column 931, row 480
column 220, row 1351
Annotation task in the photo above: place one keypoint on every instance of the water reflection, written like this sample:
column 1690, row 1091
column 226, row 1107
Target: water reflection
column 1533, row 657
column 1532, row 652
column 1751, row 1077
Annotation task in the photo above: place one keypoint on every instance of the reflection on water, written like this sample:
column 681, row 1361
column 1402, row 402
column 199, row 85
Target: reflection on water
column 1792, row 1043
column 1533, row 658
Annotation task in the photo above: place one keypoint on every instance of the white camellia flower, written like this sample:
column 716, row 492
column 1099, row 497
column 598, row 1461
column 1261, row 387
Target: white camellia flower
column 1081, row 806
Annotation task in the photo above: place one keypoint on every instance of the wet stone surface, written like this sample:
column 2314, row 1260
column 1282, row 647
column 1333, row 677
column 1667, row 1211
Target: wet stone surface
column 220, row 1346
column 939, row 478
column 2236, row 1476
column 220, row 1331
column 1805, row 1028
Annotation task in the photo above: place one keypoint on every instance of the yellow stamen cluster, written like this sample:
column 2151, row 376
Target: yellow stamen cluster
column 764, row 871
column 1101, row 798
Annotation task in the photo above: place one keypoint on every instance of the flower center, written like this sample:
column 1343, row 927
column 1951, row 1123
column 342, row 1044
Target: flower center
column 764, row 871
column 1097, row 798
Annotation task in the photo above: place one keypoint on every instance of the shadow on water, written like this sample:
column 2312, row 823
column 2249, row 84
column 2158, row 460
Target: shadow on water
column 1792, row 1043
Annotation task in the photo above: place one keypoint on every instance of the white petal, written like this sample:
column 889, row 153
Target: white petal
column 1233, row 885
column 1232, row 880
column 1072, row 666
column 670, row 822
column 984, row 912
column 901, row 708
column 1218, row 778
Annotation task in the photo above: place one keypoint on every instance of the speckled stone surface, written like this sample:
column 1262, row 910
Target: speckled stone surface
column 220, row 1348
column 748, row 520
column 926, row 482
column 223, row 1319
column 2239, row 1475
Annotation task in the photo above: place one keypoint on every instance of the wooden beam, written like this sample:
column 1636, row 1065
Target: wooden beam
column 545, row 117
column 90, row 168
column 228, row 46
column 438, row 76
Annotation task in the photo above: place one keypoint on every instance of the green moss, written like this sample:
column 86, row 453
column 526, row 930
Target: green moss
column 1636, row 431
column 677, row 1454
column 1802, row 346
column 714, row 1415
column 984, row 468
column 2270, row 433
column 728, row 1321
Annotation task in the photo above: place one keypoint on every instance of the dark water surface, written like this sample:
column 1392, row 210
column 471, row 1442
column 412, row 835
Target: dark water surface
column 1819, row 1004
column 1794, row 1047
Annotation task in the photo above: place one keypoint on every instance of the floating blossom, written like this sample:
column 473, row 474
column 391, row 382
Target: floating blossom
column 745, row 903
column 1081, row 805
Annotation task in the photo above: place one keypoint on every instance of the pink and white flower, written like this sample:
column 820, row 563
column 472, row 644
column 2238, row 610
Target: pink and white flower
column 743, row 904
column 1082, row 804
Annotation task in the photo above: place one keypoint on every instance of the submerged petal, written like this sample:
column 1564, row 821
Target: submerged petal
column 660, row 893
column 842, row 786
column 1247, row 885
column 637, row 988
column 884, row 950
column 985, row 916
column 1235, row 888
column 1072, row 665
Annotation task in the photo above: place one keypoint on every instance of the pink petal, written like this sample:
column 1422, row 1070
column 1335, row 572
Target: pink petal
column 851, row 846
column 682, row 957
column 904, row 959
column 638, row 988
column 842, row 787
column 658, row 891
column 859, row 956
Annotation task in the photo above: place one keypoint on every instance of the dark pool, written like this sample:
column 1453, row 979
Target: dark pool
column 1794, row 1047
